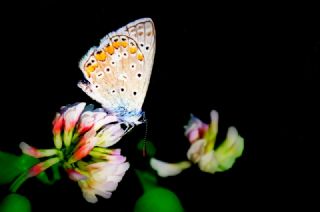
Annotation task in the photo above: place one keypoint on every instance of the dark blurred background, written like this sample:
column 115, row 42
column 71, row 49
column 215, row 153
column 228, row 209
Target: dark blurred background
column 257, row 67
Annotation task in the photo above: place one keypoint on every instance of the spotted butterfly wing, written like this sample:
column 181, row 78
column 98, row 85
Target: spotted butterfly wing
column 118, row 70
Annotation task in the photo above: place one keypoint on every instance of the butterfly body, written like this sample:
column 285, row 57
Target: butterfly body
column 118, row 70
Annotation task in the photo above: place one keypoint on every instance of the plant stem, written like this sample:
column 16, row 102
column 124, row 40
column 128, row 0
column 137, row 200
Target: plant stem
column 18, row 182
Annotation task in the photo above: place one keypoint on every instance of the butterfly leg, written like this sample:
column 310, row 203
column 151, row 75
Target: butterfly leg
column 128, row 127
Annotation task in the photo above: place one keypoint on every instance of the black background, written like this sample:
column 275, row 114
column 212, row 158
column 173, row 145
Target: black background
column 257, row 67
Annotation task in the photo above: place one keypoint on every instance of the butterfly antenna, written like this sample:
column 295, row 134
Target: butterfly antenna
column 144, row 149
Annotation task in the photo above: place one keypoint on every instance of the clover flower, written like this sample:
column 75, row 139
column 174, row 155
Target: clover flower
column 202, row 151
column 82, row 137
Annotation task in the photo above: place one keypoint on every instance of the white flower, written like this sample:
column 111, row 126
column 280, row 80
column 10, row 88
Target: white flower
column 81, row 136
column 202, row 151
column 168, row 169
column 103, row 178
column 110, row 135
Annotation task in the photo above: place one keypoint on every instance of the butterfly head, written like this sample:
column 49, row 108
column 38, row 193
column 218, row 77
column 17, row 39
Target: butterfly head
column 130, row 117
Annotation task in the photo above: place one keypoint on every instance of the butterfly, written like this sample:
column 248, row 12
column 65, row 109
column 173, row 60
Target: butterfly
column 118, row 71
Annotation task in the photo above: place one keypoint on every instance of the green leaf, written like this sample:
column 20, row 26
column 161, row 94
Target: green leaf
column 13, row 165
column 15, row 203
column 158, row 200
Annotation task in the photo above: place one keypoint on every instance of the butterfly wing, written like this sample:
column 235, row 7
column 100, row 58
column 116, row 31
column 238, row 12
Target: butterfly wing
column 118, row 70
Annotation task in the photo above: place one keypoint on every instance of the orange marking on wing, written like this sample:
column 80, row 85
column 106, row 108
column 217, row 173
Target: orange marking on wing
column 133, row 50
column 101, row 56
column 124, row 44
column 140, row 56
column 116, row 44
column 91, row 68
column 109, row 49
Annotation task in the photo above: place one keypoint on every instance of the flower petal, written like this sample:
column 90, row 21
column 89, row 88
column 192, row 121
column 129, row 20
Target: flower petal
column 104, row 121
column 72, row 114
column 36, row 153
column 75, row 175
column 58, row 123
column 85, row 145
column 104, row 194
column 109, row 186
column 208, row 163
column 168, row 169
column 40, row 167
column 195, row 129
column 212, row 132
column 90, row 196
column 110, row 135
column 86, row 122
column 230, row 149
column 196, row 150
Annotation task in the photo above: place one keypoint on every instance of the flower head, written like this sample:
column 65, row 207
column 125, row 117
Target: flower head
column 79, row 133
column 202, row 151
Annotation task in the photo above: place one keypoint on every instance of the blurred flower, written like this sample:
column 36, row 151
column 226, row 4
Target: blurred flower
column 80, row 132
column 202, row 138
column 202, row 149
column 168, row 169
